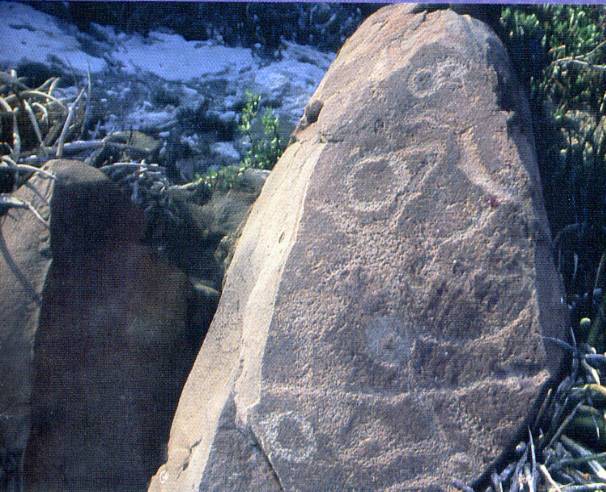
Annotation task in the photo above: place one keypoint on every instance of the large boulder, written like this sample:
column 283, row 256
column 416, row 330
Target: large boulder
column 24, row 263
column 93, row 337
column 382, row 318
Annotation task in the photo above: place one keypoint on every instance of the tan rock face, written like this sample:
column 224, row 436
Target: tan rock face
column 381, row 322
column 94, row 337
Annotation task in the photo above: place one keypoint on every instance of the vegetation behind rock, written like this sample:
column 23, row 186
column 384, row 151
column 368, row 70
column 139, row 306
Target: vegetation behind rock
column 560, row 54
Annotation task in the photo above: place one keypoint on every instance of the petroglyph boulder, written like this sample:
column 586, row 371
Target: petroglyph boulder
column 93, row 342
column 380, row 326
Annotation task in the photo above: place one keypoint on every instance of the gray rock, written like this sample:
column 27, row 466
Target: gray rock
column 225, row 152
column 93, row 337
column 24, row 263
column 380, row 326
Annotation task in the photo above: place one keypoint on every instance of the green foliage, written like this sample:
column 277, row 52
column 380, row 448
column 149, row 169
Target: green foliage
column 266, row 146
column 221, row 179
column 560, row 54
column 249, row 112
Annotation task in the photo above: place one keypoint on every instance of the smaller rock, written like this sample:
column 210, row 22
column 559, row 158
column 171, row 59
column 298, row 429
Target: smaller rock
column 202, row 243
column 253, row 179
column 227, row 117
column 310, row 115
column 225, row 152
column 202, row 306
column 312, row 111
column 94, row 345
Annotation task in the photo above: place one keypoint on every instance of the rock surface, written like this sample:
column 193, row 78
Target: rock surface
column 24, row 263
column 380, row 326
column 202, row 243
column 94, row 343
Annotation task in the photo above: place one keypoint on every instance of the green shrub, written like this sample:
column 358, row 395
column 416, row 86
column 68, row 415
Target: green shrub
column 221, row 179
column 266, row 146
column 265, row 149
column 560, row 54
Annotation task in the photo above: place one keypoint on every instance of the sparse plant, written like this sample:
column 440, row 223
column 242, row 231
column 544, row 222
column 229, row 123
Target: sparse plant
column 266, row 149
column 560, row 54
column 34, row 125
column 221, row 179
column 249, row 112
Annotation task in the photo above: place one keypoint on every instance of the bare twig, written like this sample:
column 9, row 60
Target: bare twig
column 16, row 139
column 546, row 475
column 24, row 168
column 8, row 202
column 588, row 487
column 5, row 105
column 87, row 107
column 37, row 93
column 575, row 62
column 580, row 451
column 42, row 108
column 34, row 122
column 53, row 86
column 66, row 125
column 564, row 424
column 592, row 52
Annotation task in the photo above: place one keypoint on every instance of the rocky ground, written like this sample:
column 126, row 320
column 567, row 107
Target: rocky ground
column 187, row 95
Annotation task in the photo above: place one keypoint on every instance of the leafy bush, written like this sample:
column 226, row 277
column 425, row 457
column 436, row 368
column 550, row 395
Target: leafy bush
column 560, row 54
column 265, row 149
column 222, row 179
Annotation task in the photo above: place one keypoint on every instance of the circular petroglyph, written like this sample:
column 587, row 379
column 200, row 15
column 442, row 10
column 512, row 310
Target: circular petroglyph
column 452, row 71
column 374, row 182
column 448, row 74
column 388, row 341
column 422, row 82
column 289, row 436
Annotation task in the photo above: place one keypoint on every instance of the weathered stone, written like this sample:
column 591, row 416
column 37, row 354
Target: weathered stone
column 24, row 263
column 380, row 326
column 94, row 347
column 202, row 242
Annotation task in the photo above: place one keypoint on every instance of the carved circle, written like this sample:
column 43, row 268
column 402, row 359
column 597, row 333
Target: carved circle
column 448, row 74
column 423, row 82
column 290, row 437
column 375, row 182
